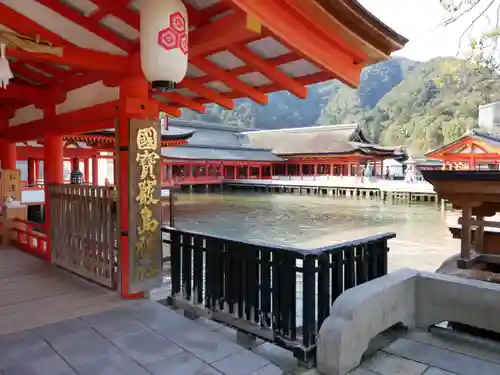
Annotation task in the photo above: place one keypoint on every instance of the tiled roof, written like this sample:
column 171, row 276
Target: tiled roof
column 326, row 139
column 190, row 152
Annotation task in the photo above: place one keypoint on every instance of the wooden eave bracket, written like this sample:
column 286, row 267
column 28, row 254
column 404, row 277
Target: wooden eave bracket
column 29, row 44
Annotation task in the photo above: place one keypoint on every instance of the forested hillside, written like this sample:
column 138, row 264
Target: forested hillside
column 399, row 102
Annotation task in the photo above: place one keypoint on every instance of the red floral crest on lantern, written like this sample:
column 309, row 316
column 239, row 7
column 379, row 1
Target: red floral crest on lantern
column 183, row 43
column 174, row 36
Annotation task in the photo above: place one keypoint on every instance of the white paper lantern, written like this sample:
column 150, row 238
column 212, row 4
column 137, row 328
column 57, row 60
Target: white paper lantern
column 164, row 41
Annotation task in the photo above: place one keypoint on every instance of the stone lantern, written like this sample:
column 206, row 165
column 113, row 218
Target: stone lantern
column 76, row 176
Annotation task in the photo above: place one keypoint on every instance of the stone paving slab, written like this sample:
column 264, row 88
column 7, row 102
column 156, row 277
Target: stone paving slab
column 142, row 338
column 423, row 353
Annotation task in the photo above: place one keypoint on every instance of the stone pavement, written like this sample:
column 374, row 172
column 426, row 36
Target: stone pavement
column 423, row 353
column 141, row 338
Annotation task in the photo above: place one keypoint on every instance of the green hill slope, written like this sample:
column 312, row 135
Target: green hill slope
column 421, row 105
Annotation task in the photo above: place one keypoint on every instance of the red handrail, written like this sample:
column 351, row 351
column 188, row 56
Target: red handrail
column 32, row 238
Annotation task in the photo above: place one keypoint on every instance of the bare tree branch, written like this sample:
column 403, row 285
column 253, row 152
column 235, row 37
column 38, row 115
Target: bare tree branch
column 484, row 46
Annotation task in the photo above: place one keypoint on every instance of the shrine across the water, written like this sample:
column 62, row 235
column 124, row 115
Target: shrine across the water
column 474, row 150
column 334, row 150
column 90, row 65
column 217, row 152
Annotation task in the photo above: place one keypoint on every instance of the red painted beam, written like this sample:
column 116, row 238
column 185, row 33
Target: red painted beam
column 98, row 117
column 217, row 35
column 72, row 55
column 299, row 30
column 80, row 58
column 92, row 26
column 25, row 93
column 184, row 101
column 25, row 152
column 24, row 25
column 119, row 9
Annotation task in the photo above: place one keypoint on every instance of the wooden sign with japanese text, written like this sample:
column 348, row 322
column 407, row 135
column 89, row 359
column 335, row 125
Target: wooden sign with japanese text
column 145, row 239
column 11, row 183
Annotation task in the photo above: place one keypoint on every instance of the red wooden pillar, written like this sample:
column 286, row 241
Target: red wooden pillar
column 134, row 104
column 8, row 154
column 249, row 171
column 86, row 170
column 39, row 170
column 133, row 89
column 260, row 173
column 75, row 164
column 52, row 172
column 95, row 170
column 32, row 172
column 300, row 169
column 235, row 171
column 472, row 163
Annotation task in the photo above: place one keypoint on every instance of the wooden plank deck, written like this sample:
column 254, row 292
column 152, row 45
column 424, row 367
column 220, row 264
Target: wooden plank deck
column 33, row 293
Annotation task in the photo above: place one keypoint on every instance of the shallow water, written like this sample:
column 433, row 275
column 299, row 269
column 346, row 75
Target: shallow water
column 307, row 222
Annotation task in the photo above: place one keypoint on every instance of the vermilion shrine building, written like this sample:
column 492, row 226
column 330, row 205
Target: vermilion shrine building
column 474, row 150
column 214, row 153
column 477, row 148
column 335, row 150
column 91, row 65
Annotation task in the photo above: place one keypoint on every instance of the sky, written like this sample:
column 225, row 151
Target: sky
column 420, row 21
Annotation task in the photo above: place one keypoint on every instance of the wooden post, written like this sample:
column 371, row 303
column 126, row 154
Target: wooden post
column 39, row 171
column 466, row 233
column 32, row 172
column 138, row 168
column 52, row 172
column 8, row 154
column 86, row 170
column 95, row 170
column 479, row 235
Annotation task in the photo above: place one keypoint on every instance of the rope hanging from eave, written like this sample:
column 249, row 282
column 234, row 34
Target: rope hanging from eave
column 5, row 71
column 28, row 44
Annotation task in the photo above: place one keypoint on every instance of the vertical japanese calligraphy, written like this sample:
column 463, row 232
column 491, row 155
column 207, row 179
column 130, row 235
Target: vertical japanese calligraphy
column 12, row 183
column 147, row 158
column 144, row 234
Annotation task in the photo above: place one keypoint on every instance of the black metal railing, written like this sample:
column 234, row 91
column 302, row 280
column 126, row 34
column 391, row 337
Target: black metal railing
column 277, row 293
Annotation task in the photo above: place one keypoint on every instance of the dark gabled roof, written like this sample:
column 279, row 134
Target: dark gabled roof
column 325, row 139
column 199, row 152
column 486, row 137
column 164, row 137
column 490, row 139
column 214, row 141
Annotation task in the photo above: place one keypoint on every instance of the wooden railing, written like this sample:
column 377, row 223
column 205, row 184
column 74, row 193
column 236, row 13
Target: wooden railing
column 193, row 180
column 30, row 237
column 279, row 294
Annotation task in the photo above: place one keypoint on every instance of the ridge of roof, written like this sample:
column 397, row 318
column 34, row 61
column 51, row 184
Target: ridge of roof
column 197, row 124
column 488, row 136
column 222, row 147
column 374, row 21
column 329, row 127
